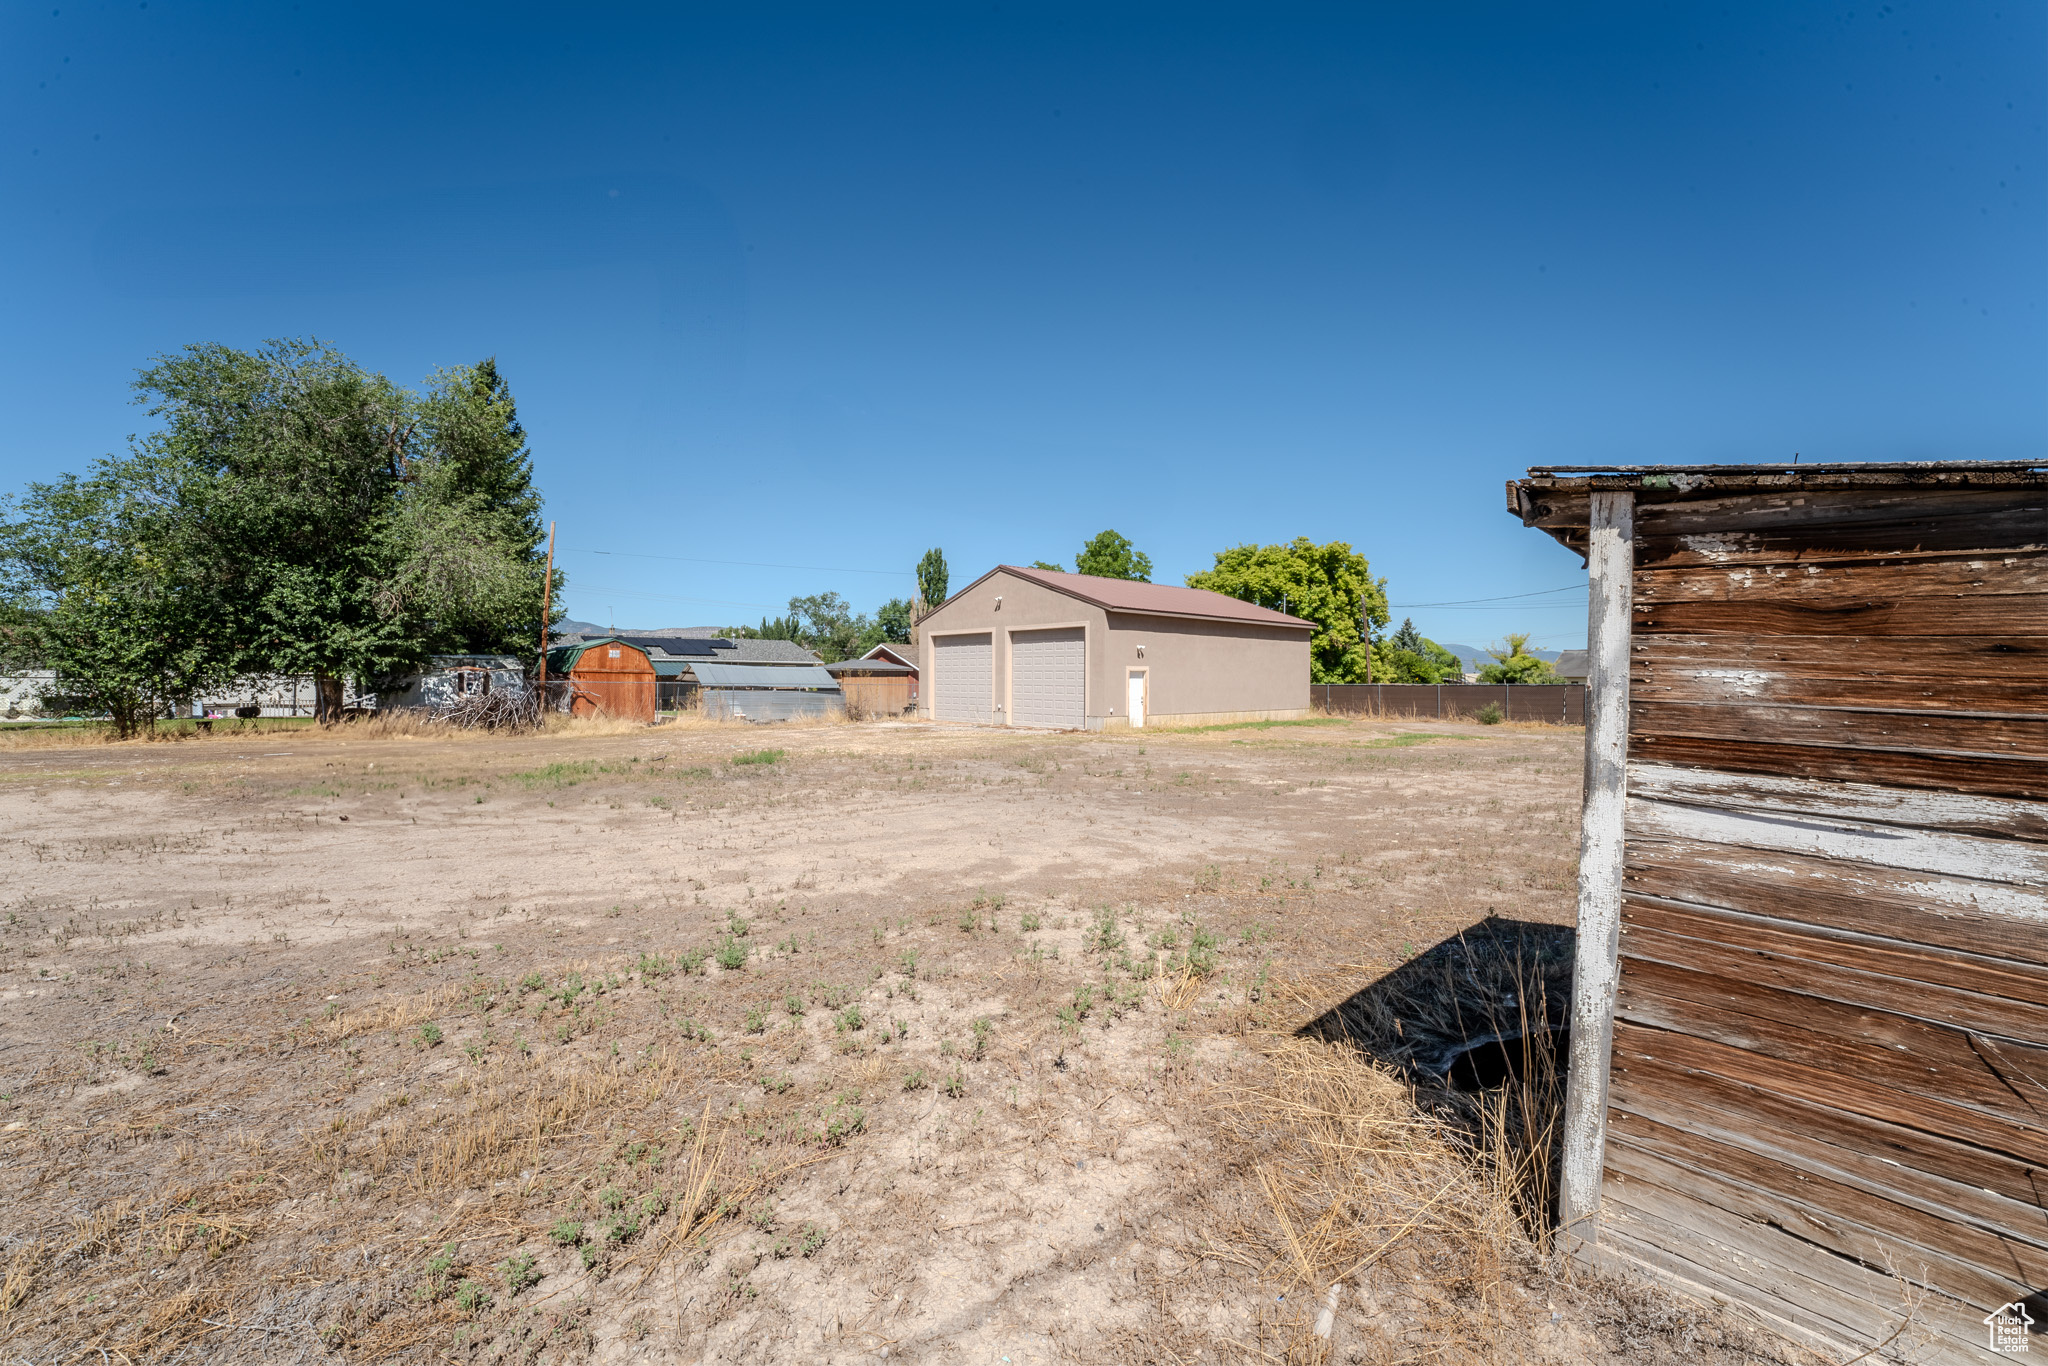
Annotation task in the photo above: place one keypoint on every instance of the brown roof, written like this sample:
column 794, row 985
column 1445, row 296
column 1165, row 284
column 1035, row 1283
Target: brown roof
column 1153, row 599
column 902, row 654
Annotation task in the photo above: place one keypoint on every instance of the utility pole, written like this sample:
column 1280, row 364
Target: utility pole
column 547, row 607
column 1365, row 631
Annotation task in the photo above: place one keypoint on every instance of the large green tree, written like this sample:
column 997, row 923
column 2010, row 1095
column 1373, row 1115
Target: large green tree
column 464, row 537
column 1330, row 585
column 1512, row 663
column 931, row 578
column 293, row 513
column 1110, row 555
column 1408, row 656
column 892, row 623
column 100, row 583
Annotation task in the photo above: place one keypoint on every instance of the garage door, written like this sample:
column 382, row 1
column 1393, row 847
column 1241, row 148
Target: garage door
column 1045, row 677
column 962, row 669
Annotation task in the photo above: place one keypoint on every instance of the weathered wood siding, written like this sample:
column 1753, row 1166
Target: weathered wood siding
column 1829, row 1080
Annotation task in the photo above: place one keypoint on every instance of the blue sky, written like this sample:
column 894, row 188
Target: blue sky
column 825, row 286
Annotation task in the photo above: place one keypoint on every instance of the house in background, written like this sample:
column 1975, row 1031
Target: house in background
column 876, row 687
column 1033, row 647
column 895, row 653
column 448, row 679
column 1571, row 666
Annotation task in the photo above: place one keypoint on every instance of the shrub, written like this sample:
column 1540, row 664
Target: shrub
column 520, row 1272
column 1490, row 715
column 732, row 954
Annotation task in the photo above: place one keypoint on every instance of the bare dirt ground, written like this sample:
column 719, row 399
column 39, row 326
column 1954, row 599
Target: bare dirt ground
column 901, row 1043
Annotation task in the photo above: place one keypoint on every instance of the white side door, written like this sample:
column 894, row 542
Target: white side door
column 1137, row 698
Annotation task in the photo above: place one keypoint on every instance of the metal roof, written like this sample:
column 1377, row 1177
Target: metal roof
column 563, row 657
column 1147, row 599
column 868, row 668
column 737, row 650
column 762, row 676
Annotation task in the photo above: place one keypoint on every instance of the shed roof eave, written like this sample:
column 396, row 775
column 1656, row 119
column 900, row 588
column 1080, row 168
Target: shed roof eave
column 1289, row 625
column 1055, row 583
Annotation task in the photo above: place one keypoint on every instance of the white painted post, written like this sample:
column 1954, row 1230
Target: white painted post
column 1610, row 563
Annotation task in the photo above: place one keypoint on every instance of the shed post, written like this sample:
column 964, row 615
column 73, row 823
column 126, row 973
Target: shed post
column 1610, row 564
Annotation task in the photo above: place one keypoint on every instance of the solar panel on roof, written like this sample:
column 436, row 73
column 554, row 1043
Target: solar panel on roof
column 673, row 646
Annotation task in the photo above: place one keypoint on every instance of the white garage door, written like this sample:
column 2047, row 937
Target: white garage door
column 1045, row 677
column 962, row 668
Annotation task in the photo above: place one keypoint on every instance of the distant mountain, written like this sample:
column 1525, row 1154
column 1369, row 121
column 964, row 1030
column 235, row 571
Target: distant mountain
column 1476, row 658
column 591, row 628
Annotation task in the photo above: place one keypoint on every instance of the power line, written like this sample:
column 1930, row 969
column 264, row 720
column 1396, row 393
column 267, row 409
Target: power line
column 670, row 597
column 1476, row 602
column 748, row 564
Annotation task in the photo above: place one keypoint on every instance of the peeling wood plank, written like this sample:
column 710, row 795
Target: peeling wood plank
column 2002, row 657
column 1754, row 1191
column 1897, row 577
column 2002, row 1080
column 1804, row 949
column 1722, row 682
column 1853, row 1304
column 1610, row 568
column 1842, row 839
column 1825, row 515
column 1964, row 737
column 1837, row 617
column 1954, row 812
column 1842, row 1089
column 1956, row 914
column 1965, row 1260
column 1653, row 934
column 1988, row 775
column 1932, row 1169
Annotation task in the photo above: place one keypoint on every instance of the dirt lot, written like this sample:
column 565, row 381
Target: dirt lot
column 889, row 1043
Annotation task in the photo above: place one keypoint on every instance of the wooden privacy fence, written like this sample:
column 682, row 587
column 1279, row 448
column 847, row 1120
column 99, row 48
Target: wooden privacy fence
column 885, row 696
column 1562, row 703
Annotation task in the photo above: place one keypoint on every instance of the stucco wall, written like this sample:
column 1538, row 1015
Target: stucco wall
column 1194, row 667
column 1025, row 607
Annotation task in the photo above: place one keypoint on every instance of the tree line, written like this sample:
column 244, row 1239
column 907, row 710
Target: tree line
column 1331, row 585
column 293, row 513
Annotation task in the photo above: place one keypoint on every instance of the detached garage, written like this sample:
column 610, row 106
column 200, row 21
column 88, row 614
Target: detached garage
column 1032, row 647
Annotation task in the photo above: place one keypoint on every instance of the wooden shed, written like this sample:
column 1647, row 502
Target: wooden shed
column 607, row 677
column 876, row 687
column 1809, row 1049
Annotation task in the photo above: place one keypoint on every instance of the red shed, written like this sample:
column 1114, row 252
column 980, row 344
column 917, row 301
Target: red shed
column 608, row 677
